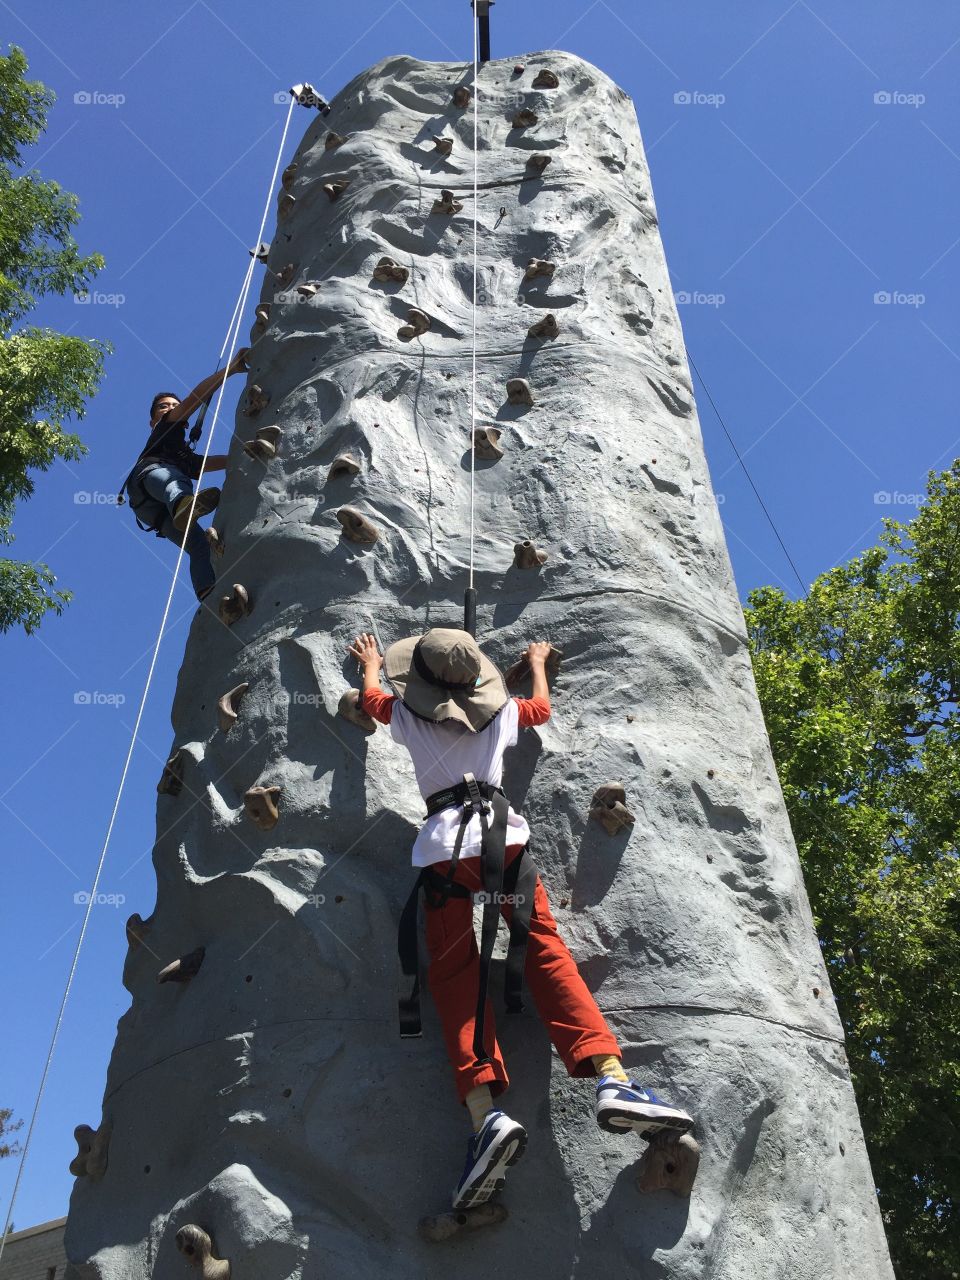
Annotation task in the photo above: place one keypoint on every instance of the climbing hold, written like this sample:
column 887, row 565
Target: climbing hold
column 444, row 1225
column 287, row 273
column 356, row 526
column 609, row 808
column 228, row 708
column 264, row 444
column 669, row 1163
column 333, row 140
column 257, row 401
column 261, row 806
column 336, row 189
column 518, row 391
column 462, row 96
column 545, row 328
column 262, row 314
column 447, row 204
column 234, row 606
column 137, row 929
column 91, row 1158
column 538, row 162
column 387, row 271
column 526, row 555
column 184, row 968
column 516, row 674
column 308, row 289
column 547, row 80
column 539, row 267
column 171, row 780
column 216, row 543
column 518, row 69
column 288, row 175
column 194, row 1243
column 524, row 119
column 344, row 464
column 443, row 146
column 261, row 252
column 348, row 708
column 417, row 322
column 486, row 443
column 285, row 205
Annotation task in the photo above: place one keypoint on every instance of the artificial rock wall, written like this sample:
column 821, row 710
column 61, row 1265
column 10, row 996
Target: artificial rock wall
column 262, row 1092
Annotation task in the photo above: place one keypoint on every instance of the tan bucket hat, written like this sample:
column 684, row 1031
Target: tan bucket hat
column 442, row 675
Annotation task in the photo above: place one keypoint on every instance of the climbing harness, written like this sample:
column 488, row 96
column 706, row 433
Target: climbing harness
column 137, row 497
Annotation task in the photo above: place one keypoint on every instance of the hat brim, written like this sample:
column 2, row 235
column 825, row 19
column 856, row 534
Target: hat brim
column 474, row 708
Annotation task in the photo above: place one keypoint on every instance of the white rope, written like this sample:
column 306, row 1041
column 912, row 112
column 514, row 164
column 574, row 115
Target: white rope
column 231, row 341
column 473, row 380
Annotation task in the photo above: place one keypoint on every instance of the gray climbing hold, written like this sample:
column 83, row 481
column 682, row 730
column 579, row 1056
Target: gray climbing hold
column 344, row 464
column 525, row 119
column 184, row 967
column 136, row 929
column 356, row 526
column 539, row 267
column 307, row 289
column 261, row 252
column 389, row 272
column 261, row 805
column 609, row 808
column 462, row 96
column 171, row 780
column 527, row 556
column 447, row 204
column 443, row 1226
column 196, row 1245
column 418, row 322
column 486, row 443
column 263, row 446
column 443, row 146
column 334, row 190
column 538, row 162
column 333, row 140
column 228, row 707
column 288, row 175
column 285, row 205
column 234, row 606
column 257, row 401
column 216, row 543
column 93, row 1146
column 520, row 670
column 518, row 391
column 286, row 274
column 545, row 328
column 546, row 79
column 349, row 710
column 669, row 1163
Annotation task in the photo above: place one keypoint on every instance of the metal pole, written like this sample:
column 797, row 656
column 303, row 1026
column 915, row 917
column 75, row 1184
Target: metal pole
column 482, row 9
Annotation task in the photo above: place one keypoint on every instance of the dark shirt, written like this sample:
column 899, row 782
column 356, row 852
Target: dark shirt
column 167, row 444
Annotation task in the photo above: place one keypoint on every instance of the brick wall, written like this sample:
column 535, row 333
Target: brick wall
column 35, row 1253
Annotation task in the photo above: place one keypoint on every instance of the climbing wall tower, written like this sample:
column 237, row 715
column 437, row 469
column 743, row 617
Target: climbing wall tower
column 260, row 1108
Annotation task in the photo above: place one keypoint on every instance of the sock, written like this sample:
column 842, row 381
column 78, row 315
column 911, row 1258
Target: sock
column 479, row 1101
column 608, row 1065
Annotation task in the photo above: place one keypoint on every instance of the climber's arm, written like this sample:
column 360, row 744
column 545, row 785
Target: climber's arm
column 195, row 398
column 372, row 699
column 536, row 710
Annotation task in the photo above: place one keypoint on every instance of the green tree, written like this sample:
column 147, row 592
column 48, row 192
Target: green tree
column 45, row 376
column 8, row 1148
column 859, row 684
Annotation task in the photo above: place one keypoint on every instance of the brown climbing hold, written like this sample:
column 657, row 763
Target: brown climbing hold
column 262, row 319
column 228, row 708
column 516, row 674
column 547, row 80
column 262, row 807
column 526, row 555
column 194, row 1243
column 264, row 444
column 443, row 146
column 286, row 274
column 524, row 119
column 333, row 140
column 518, row 69
column 285, row 205
column 336, row 189
column 545, row 328
column 184, row 968
column 417, row 322
column 261, row 252
column 344, row 464
column 348, row 708
column 216, row 542
column 234, row 606
column 288, row 175
column 137, row 929
column 93, row 1144
column 669, row 1163
column 447, row 204
column 257, row 401
column 486, row 443
column 356, row 526
column 462, row 96
column 539, row 267
column 518, row 391
column 308, row 289
column 171, row 780
column 538, row 162
column 443, row 1226
column 609, row 808
column 389, row 272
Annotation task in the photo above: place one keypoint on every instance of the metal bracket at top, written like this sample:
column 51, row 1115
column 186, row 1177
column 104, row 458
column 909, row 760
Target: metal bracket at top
column 307, row 96
column 482, row 10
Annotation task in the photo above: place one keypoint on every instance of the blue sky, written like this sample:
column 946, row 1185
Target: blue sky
column 806, row 167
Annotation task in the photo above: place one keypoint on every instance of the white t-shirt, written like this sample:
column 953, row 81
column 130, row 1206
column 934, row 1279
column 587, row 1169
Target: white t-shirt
column 442, row 754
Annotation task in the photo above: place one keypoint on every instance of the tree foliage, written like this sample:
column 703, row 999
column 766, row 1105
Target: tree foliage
column 8, row 1126
column 45, row 377
column 859, row 684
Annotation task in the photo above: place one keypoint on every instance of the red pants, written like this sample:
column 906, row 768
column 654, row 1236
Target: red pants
column 566, row 1007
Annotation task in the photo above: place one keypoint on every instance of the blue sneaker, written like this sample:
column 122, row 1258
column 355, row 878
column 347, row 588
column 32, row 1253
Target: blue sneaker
column 622, row 1106
column 499, row 1144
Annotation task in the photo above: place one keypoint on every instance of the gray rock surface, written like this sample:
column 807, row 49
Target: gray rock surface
column 269, row 1099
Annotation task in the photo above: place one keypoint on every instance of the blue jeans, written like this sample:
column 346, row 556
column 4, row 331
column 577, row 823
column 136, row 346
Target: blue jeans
column 164, row 485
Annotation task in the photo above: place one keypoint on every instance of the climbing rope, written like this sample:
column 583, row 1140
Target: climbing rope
column 470, row 597
column 230, row 342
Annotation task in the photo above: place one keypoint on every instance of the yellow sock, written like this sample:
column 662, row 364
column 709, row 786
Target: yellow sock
column 479, row 1101
column 608, row 1065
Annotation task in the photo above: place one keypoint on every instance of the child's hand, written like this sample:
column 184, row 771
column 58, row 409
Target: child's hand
column 365, row 650
column 537, row 652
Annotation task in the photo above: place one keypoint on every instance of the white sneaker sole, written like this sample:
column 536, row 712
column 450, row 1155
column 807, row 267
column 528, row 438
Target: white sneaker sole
column 490, row 1179
column 621, row 1117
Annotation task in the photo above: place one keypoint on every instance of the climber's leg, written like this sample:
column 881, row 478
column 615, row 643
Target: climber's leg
column 498, row 1144
column 197, row 547
column 171, row 486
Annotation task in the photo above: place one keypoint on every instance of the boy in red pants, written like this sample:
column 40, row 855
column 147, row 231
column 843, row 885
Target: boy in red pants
column 456, row 718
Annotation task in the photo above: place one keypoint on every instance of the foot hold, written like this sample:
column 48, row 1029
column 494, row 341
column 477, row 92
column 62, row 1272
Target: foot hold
column 609, row 808
column 526, row 555
column 194, row 1243
column 228, row 708
column 349, row 709
column 262, row 808
column 234, row 606
column 669, row 1163
column 444, row 1226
